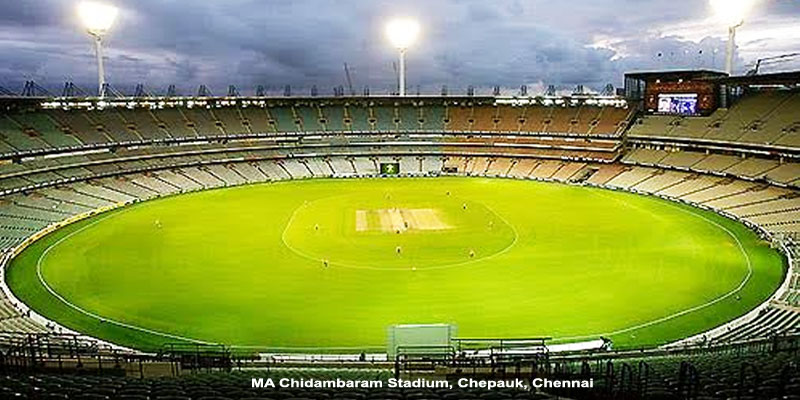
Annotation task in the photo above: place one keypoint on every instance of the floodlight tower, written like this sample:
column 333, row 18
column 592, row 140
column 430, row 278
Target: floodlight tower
column 97, row 19
column 732, row 13
column 402, row 32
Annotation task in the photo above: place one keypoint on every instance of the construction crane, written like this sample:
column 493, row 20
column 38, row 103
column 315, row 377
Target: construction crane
column 771, row 60
column 349, row 80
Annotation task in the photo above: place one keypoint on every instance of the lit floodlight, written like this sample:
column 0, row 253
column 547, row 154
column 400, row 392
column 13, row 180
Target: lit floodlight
column 732, row 13
column 402, row 32
column 97, row 17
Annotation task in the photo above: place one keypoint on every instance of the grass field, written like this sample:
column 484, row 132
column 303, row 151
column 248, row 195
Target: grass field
column 499, row 258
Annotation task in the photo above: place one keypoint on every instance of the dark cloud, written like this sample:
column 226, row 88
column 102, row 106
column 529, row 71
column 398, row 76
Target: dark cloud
column 306, row 42
column 31, row 13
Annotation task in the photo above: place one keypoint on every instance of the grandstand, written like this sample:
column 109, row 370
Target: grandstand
column 62, row 159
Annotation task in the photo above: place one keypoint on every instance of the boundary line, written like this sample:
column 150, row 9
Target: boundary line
column 625, row 330
column 89, row 313
column 688, row 310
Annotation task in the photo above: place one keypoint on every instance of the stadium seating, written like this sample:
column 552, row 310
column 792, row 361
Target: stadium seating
column 763, row 118
column 752, row 370
column 772, row 321
column 61, row 163
column 743, row 372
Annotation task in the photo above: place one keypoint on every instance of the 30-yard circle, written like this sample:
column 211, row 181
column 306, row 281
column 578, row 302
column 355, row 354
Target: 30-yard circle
column 397, row 231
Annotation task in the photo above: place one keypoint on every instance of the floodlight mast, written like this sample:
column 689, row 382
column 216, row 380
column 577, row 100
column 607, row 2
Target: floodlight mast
column 98, row 18
column 402, row 68
column 731, row 48
column 732, row 13
column 402, row 33
column 101, row 71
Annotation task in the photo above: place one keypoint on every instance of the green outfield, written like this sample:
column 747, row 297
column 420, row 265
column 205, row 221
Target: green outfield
column 326, row 265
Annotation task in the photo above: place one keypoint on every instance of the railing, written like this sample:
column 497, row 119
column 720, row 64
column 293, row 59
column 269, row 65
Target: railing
column 630, row 374
column 294, row 135
column 626, row 375
column 199, row 357
column 31, row 352
column 68, row 353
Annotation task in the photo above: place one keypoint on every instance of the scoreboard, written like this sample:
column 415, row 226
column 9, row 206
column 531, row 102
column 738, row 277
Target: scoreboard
column 682, row 97
column 677, row 103
column 675, row 92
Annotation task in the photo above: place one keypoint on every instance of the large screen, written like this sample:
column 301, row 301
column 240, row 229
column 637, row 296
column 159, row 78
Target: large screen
column 390, row 168
column 685, row 104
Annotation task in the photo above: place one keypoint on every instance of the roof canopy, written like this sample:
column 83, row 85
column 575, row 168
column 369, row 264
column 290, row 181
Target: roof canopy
column 675, row 75
column 781, row 78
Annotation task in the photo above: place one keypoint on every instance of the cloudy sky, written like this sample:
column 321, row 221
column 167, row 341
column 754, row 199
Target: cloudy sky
column 305, row 42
